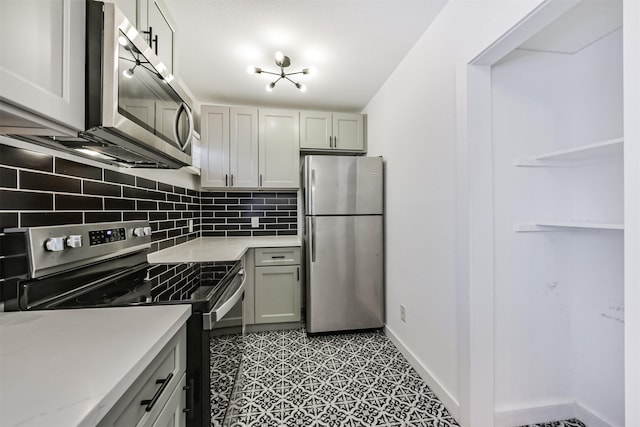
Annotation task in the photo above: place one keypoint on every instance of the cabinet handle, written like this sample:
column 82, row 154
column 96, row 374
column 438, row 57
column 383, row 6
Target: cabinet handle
column 155, row 42
column 151, row 403
column 277, row 256
column 226, row 180
column 189, row 390
column 330, row 143
column 298, row 270
column 335, row 142
column 260, row 184
column 150, row 34
column 232, row 180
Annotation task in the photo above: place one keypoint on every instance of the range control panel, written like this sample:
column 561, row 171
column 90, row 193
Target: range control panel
column 57, row 248
column 99, row 237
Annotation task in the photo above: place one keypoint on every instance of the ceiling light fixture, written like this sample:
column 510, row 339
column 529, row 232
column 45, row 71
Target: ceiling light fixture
column 283, row 62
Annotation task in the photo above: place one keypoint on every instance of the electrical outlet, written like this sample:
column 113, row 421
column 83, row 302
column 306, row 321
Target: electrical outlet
column 403, row 312
column 190, row 222
column 255, row 222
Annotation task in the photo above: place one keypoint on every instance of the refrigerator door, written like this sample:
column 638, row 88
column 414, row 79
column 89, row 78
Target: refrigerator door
column 344, row 259
column 343, row 185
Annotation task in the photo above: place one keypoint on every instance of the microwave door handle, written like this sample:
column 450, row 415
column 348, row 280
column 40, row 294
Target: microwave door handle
column 209, row 319
column 176, row 122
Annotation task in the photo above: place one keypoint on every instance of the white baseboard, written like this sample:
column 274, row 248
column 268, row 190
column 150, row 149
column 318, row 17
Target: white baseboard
column 535, row 414
column 443, row 394
column 592, row 418
column 552, row 412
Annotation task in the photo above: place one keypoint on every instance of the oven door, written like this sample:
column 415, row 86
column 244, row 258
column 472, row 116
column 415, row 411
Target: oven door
column 229, row 306
column 226, row 325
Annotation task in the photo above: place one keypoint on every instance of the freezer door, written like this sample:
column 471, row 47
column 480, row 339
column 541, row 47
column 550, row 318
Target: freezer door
column 344, row 256
column 343, row 185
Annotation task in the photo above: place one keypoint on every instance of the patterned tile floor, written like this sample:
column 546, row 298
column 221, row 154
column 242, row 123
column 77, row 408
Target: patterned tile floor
column 290, row 379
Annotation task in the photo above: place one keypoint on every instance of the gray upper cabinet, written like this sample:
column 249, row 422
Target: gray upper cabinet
column 42, row 61
column 229, row 147
column 279, row 153
column 325, row 131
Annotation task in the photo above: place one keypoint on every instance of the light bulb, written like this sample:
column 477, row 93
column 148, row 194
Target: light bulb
column 123, row 41
column 253, row 70
column 310, row 70
column 279, row 57
column 270, row 86
column 301, row 87
column 128, row 73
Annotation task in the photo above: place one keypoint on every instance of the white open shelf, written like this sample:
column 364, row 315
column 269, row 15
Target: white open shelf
column 559, row 225
column 577, row 155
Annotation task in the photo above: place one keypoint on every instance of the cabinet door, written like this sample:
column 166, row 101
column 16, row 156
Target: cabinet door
column 215, row 146
column 277, row 294
column 172, row 414
column 315, row 130
column 43, row 57
column 348, row 132
column 158, row 20
column 243, row 156
column 279, row 149
column 129, row 8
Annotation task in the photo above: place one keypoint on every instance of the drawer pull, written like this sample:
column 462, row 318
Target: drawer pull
column 150, row 403
column 277, row 257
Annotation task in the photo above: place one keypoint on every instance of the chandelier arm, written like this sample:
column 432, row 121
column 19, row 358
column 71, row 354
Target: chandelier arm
column 297, row 72
column 147, row 68
column 269, row 72
column 295, row 83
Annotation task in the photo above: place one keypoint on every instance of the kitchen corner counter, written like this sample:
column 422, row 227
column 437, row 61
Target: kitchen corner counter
column 69, row 367
column 207, row 249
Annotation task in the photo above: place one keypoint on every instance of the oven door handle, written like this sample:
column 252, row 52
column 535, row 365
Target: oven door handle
column 219, row 311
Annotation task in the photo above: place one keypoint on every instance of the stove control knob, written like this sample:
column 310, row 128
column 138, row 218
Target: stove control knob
column 138, row 232
column 147, row 231
column 74, row 241
column 54, row 244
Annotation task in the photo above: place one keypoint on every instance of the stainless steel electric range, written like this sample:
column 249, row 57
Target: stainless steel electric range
column 104, row 265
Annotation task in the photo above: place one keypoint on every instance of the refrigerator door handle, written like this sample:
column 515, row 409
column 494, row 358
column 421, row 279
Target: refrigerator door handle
column 313, row 240
column 312, row 195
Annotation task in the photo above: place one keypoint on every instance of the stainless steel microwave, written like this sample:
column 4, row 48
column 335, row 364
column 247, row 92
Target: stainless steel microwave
column 136, row 113
column 132, row 101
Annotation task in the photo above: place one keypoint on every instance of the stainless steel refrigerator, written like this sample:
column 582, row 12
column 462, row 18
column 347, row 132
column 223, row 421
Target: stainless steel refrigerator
column 343, row 238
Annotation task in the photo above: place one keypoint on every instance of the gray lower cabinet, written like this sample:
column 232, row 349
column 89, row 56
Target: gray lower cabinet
column 277, row 286
column 157, row 396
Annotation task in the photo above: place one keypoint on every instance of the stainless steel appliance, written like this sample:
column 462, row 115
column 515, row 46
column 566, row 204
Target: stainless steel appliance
column 343, row 240
column 136, row 114
column 105, row 264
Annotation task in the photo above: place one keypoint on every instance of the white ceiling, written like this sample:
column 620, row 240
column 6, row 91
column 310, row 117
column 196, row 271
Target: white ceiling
column 354, row 45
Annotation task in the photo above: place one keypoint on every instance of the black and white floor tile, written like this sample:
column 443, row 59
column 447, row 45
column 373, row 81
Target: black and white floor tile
column 352, row 380
column 566, row 423
column 360, row 379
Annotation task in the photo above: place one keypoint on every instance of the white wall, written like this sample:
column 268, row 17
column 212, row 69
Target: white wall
column 412, row 123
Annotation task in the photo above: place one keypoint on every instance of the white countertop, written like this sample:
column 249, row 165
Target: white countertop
column 69, row 367
column 206, row 249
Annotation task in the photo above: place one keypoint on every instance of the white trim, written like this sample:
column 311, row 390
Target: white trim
column 536, row 414
column 631, row 68
column 551, row 412
column 436, row 386
column 591, row 418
